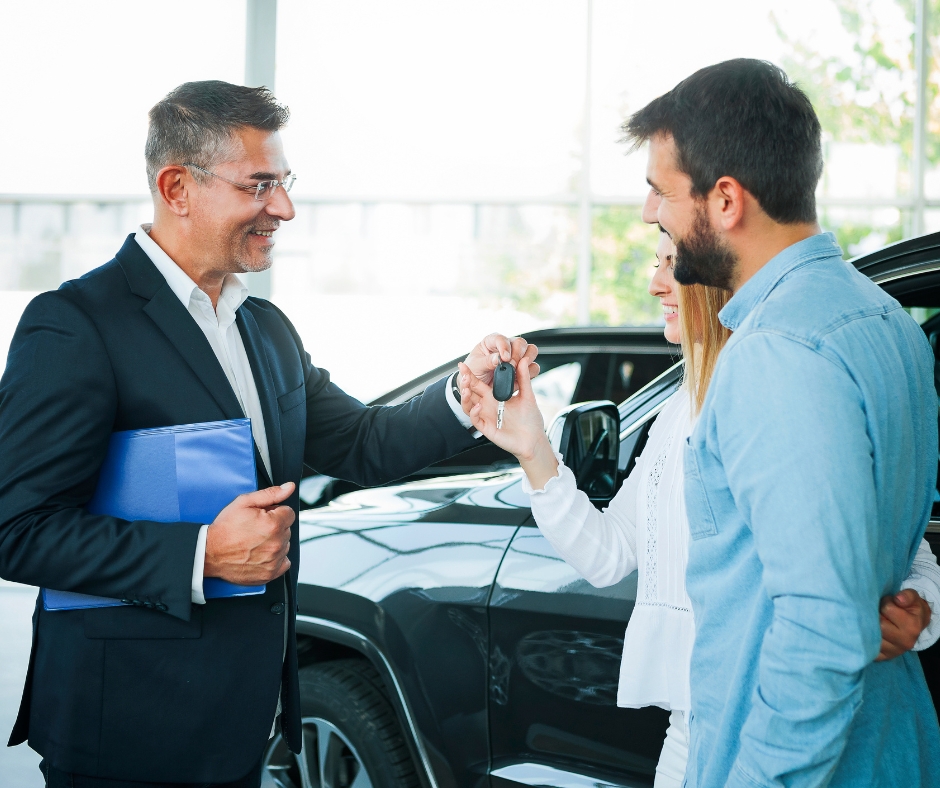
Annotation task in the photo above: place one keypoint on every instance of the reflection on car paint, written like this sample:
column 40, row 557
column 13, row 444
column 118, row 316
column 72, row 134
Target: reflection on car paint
column 581, row 666
column 500, row 668
column 376, row 562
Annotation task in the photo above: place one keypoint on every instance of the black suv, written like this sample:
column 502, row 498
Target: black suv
column 444, row 643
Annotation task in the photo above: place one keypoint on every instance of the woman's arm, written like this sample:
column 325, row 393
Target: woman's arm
column 601, row 547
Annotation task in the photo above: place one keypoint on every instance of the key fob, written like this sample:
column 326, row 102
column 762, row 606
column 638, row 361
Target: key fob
column 504, row 379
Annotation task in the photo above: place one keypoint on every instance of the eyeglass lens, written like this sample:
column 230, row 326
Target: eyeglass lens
column 267, row 188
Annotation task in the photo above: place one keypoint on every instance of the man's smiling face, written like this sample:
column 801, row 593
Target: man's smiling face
column 669, row 203
column 230, row 221
column 702, row 256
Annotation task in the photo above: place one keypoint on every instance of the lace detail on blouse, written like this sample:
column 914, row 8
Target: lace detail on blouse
column 650, row 586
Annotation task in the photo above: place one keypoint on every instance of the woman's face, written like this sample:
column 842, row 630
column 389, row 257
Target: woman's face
column 664, row 287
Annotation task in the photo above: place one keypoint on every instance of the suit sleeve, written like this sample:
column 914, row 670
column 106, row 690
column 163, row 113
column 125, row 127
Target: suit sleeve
column 58, row 401
column 377, row 444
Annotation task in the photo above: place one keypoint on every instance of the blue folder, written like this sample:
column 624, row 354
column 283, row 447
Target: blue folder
column 186, row 473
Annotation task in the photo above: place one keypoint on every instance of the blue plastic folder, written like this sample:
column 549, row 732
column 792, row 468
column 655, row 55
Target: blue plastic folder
column 186, row 473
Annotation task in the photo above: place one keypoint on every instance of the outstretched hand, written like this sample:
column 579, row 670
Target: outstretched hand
column 903, row 617
column 523, row 430
column 486, row 356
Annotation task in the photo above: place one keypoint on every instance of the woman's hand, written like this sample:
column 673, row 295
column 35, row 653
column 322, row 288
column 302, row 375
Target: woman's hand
column 523, row 430
column 903, row 617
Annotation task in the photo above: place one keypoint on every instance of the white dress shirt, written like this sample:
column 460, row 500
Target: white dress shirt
column 646, row 529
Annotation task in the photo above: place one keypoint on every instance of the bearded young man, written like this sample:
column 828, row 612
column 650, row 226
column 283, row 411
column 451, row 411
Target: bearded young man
column 811, row 471
column 173, row 689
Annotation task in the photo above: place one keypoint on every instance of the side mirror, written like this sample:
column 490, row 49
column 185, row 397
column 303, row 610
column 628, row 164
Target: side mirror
column 588, row 437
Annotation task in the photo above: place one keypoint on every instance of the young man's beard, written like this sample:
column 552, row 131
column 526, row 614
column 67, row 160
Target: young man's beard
column 701, row 257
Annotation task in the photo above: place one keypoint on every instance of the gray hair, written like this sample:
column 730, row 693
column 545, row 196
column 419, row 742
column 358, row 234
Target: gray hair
column 195, row 123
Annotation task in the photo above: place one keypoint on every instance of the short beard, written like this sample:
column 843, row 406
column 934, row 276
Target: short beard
column 702, row 258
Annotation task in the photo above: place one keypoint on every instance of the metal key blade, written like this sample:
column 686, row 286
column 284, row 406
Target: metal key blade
column 499, row 415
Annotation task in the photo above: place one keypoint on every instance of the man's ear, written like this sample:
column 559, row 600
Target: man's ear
column 174, row 184
column 726, row 203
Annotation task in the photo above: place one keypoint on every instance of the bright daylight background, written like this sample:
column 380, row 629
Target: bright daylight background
column 440, row 159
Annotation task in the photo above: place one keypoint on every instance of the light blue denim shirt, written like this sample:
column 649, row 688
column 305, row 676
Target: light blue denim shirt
column 809, row 481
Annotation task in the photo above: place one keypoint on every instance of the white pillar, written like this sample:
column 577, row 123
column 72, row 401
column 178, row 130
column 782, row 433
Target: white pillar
column 260, row 60
column 584, row 203
column 919, row 152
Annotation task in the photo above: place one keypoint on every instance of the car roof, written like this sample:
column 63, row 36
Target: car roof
column 901, row 259
column 567, row 339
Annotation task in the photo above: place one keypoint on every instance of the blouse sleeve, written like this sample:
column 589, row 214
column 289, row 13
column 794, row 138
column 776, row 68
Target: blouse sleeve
column 600, row 546
column 925, row 580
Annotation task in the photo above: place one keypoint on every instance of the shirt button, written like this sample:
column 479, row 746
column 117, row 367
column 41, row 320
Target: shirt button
column 277, row 608
column 161, row 607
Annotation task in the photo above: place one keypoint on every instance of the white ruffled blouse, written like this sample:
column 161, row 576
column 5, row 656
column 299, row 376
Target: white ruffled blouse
column 645, row 529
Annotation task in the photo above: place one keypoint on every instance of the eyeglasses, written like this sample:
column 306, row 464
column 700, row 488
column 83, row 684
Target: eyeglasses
column 262, row 191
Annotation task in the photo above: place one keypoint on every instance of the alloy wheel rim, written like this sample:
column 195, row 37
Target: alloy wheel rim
column 327, row 760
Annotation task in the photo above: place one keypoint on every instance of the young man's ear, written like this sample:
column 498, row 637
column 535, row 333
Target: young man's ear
column 173, row 186
column 726, row 203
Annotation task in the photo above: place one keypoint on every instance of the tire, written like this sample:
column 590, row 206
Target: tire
column 344, row 710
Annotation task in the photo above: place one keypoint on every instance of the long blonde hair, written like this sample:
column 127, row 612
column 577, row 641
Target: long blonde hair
column 703, row 336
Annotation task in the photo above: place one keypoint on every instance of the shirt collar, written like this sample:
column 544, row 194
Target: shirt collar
column 758, row 287
column 234, row 292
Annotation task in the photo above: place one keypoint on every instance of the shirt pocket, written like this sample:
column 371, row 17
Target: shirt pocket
column 292, row 399
column 698, row 508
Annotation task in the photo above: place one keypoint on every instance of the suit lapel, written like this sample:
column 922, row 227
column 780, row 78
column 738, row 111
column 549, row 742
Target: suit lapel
column 264, row 383
column 171, row 317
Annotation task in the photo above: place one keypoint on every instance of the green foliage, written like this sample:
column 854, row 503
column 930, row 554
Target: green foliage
column 624, row 250
column 870, row 97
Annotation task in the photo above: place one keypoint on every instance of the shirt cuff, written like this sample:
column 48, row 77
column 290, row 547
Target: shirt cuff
column 462, row 417
column 932, row 631
column 199, row 566
column 527, row 488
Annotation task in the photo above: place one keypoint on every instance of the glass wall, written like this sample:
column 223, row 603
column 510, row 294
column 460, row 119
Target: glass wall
column 452, row 158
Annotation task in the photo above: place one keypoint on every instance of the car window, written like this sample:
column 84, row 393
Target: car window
column 617, row 376
column 555, row 388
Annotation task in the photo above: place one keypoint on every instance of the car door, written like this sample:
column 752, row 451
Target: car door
column 554, row 658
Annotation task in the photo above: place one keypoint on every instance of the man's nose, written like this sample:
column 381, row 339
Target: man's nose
column 280, row 205
column 651, row 207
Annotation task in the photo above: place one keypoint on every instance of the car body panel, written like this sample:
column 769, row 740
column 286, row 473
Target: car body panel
column 411, row 569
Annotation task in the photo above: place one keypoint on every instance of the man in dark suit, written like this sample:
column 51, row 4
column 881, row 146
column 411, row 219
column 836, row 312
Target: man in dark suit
column 171, row 689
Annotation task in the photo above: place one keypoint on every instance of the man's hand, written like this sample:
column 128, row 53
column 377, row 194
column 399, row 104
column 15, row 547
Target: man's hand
column 903, row 617
column 486, row 356
column 248, row 542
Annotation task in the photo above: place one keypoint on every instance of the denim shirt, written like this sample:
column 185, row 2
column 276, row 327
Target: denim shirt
column 809, row 482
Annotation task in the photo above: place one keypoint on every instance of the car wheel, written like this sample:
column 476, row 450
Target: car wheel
column 351, row 736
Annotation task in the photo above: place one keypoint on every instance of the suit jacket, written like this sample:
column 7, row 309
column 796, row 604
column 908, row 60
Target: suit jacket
column 164, row 690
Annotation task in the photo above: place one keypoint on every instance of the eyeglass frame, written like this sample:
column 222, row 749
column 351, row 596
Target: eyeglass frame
column 260, row 189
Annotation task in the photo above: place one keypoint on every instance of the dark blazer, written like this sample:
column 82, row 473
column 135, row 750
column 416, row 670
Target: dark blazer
column 164, row 690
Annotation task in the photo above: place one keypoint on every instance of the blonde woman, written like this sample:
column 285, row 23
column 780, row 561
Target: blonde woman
column 645, row 528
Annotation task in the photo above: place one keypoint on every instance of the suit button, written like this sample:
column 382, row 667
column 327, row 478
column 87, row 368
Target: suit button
column 149, row 605
column 126, row 601
column 161, row 607
column 277, row 608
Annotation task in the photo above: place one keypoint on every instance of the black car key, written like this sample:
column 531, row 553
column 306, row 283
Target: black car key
column 504, row 380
